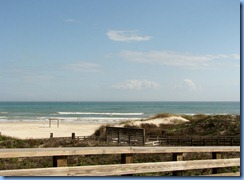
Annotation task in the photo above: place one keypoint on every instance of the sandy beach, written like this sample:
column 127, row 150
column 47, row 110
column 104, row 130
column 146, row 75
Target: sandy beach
column 41, row 129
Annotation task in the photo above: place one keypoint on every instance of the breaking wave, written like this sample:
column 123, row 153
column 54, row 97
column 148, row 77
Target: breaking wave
column 98, row 113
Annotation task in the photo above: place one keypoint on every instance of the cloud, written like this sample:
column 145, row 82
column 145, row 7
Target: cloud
column 190, row 85
column 187, row 85
column 71, row 21
column 126, row 36
column 177, row 59
column 136, row 85
column 84, row 66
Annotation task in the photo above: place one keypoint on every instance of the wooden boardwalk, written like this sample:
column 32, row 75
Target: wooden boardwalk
column 177, row 165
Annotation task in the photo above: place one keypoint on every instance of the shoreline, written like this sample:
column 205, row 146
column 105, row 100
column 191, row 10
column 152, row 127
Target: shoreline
column 41, row 129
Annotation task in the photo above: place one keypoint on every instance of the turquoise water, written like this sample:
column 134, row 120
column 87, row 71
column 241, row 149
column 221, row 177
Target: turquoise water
column 106, row 112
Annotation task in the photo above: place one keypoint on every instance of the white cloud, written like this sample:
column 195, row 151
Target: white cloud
column 187, row 85
column 190, row 85
column 170, row 58
column 136, row 85
column 126, row 36
column 71, row 21
column 84, row 66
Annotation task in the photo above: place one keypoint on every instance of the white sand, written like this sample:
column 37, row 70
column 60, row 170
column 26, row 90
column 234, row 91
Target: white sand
column 167, row 120
column 41, row 129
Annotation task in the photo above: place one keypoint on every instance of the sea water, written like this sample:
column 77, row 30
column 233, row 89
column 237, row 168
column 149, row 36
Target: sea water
column 108, row 112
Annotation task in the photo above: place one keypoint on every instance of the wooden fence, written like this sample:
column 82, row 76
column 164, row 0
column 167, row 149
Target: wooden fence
column 127, row 167
column 125, row 136
column 195, row 140
column 166, row 140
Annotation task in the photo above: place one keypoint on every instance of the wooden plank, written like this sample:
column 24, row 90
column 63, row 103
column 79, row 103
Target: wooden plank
column 215, row 155
column 200, row 140
column 177, row 157
column 59, row 161
column 32, row 152
column 224, row 174
column 185, row 149
column 119, row 169
column 126, row 158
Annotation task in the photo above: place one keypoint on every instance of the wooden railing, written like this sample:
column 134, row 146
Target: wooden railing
column 177, row 165
column 170, row 140
column 195, row 140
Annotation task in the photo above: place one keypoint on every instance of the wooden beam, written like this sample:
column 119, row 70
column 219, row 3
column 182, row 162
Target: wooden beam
column 126, row 159
column 67, row 151
column 59, row 161
column 177, row 157
column 225, row 174
column 215, row 155
column 73, row 136
column 119, row 169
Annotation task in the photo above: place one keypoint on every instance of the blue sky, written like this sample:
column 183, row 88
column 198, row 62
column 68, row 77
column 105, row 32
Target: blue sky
column 140, row 50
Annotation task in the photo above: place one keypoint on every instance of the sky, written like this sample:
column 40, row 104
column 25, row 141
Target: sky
column 140, row 50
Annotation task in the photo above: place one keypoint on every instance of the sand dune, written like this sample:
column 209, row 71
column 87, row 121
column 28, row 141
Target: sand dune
column 157, row 121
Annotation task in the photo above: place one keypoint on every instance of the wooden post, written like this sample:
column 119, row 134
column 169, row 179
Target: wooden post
column 179, row 139
column 217, row 141
column 59, row 161
column 177, row 157
column 118, row 138
column 73, row 136
column 58, row 123
column 144, row 139
column 204, row 142
column 125, row 159
column 129, row 143
column 215, row 155
column 51, row 135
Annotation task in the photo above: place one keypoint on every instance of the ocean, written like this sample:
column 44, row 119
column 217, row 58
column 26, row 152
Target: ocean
column 108, row 112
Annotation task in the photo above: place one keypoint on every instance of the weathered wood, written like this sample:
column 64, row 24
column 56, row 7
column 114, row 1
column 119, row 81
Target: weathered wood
column 59, row 161
column 125, row 136
column 177, row 157
column 73, row 136
column 215, row 155
column 224, row 174
column 33, row 152
column 53, row 119
column 126, row 159
column 119, row 169
column 197, row 140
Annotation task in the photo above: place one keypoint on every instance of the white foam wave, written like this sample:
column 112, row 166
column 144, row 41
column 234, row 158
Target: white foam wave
column 86, row 118
column 98, row 113
column 89, row 119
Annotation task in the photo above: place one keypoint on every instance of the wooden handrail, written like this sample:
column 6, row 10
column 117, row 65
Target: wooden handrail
column 127, row 167
column 68, row 151
column 120, row 169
